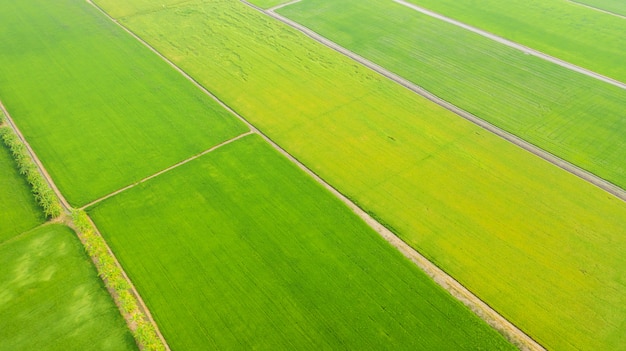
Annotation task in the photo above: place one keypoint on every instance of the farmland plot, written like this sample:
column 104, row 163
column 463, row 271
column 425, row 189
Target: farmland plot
column 575, row 117
column 540, row 245
column 240, row 249
column 99, row 109
column 614, row 6
column 563, row 29
column 51, row 297
column 18, row 209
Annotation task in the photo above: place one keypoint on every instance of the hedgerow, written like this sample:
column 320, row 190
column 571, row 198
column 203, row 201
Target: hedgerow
column 44, row 195
column 143, row 331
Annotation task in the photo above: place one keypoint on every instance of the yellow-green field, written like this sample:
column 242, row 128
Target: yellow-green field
column 540, row 245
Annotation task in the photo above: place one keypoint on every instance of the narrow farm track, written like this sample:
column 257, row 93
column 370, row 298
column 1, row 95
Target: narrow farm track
column 166, row 170
column 456, row 289
column 557, row 161
column 514, row 45
column 593, row 8
column 283, row 5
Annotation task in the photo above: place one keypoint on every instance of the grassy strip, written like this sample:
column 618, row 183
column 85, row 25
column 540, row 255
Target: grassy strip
column 563, row 29
column 44, row 195
column 111, row 273
column 614, row 6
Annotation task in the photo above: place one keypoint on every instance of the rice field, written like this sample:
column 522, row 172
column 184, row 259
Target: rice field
column 572, row 116
column 563, row 29
column 99, row 109
column 240, row 249
column 541, row 246
column 51, row 297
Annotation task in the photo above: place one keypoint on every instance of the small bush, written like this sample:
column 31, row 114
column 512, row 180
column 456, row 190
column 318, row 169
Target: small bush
column 44, row 195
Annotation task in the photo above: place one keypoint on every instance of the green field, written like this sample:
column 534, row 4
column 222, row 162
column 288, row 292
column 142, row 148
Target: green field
column 51, row 297
column 587, row 38
column 575, row 117
column 241, row 250
column 540, row 245
column 18, row 209
column 615, row 6
column 99, row 109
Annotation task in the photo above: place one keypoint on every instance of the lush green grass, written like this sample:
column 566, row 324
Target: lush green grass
column 52, row 299
column 614, row 6
column 18, row 209
column 560, row 28
column 541, row 246
column 242, row 250
column 570, row 115
column 99, row 108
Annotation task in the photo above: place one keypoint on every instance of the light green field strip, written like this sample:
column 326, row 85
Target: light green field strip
column 541, row 246
column 18, row 209
column 99, row 109
column 587, row 38
column 617, row 7
column 51, row 297
column 240, row 249
column 549, row 106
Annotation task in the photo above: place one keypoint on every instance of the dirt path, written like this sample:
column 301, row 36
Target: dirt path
column 593, row 8
column 283, row 5
column 515, row 45
column 166, row 170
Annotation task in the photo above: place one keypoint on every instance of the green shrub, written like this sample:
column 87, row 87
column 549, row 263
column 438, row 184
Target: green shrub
column 44, row 195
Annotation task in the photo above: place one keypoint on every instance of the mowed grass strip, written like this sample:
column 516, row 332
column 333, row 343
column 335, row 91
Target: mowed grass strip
column 240, row 249
column 614, row 6
column 540, row 245
column 51, row 297
column 560, row 28
column 100, row 110
column 572, row 116
column 18, row 210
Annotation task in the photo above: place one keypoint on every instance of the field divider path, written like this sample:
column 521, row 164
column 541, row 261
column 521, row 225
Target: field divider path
column 167, row 169
column 40, row 167
column 283, row 5
column 557, row 161
column 593, row 8
column 514, row 45
column 447, row 282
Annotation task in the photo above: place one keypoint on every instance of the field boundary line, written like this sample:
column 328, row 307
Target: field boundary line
column 525, row 49
column 547, row 156
column 40, row 167
column 593, row 8
column 176, row 165
column 283, row 5
column 456, row 289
